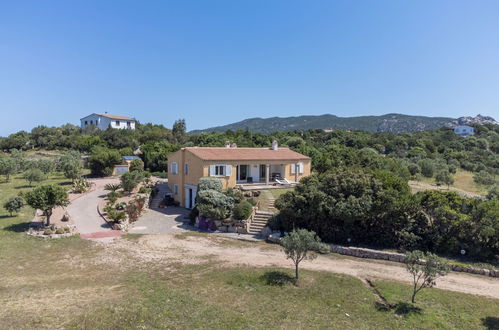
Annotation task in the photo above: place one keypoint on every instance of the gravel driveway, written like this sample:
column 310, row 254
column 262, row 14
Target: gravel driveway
column 84, row 210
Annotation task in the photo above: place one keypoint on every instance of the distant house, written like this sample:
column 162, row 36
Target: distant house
column 104, row 121
column 234, row 166
column 124, row 166
column 464, row 130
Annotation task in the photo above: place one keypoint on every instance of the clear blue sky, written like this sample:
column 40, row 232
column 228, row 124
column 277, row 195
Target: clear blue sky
column 216, row 62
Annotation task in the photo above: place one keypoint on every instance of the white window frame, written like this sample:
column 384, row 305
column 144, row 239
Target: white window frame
column 224, row 170
column 175, row 189
column 174, row 168
column 301, row 168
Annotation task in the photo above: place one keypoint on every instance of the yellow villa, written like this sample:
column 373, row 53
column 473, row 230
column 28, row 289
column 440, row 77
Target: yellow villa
column 234, row 166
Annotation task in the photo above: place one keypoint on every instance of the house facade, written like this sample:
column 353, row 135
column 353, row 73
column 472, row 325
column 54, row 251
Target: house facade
column 464, row 130
column 105, row 121
column 233, row 166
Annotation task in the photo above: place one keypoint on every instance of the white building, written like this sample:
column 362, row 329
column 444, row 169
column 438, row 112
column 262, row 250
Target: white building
column 104, row 121
column 464, row 130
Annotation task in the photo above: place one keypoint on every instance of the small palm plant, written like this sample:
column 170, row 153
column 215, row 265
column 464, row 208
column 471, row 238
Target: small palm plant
column 112, row 187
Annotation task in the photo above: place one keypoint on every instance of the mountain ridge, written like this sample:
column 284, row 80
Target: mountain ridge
column 391, row 122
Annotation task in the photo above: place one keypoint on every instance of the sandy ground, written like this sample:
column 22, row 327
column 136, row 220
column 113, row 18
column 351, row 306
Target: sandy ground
column 169, row 248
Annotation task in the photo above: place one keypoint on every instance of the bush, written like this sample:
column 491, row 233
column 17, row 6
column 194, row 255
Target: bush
column 116, row 215
column 145, row 190
column 48, row 232
column 112, row 197
column 120, row 206
column 242, row 210
column 136, row 165
column 209, row 183
column 103, row 160
column 484, row 178
column 161, row 175
column 214, row 204
column 414, row 169
column 252, row 201
column 236, row 194
column 427, row 168
column 112, row 187
column 130, row 180
column 60, row 231
column 81, row 185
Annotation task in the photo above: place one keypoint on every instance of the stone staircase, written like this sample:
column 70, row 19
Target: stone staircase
column 271, row 205
column 259, row 221
column 158, row 198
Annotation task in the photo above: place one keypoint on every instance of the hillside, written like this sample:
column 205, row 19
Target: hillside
column 385, row 123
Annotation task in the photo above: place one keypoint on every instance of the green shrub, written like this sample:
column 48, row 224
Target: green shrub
column 130, row 180
column 136, row 165
column 145, row 190
column 112, row 187
column 252, row 201
column 161, row 175
column 60, row 231
column 112, row 197
column 214, row 204
column 427, row 168
column 209, row 183
column 116, row 215
column 48, row 232
column 484, row 177
column 81, row 185
column 242, row 211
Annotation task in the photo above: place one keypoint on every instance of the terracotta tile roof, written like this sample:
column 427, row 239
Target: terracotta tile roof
column 228, row 154
column 114, row 116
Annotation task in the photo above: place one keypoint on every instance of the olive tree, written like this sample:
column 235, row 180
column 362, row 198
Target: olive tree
column 300, row 245
column 425, row 268
column 70, row 163
column 34, row 175
column 14, row 204
column 8, row 166
column 444, row 177
column 46, row 197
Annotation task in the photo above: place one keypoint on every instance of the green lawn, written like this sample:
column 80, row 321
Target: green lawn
column 265, row 195
column 463, row 181
column 70, row 283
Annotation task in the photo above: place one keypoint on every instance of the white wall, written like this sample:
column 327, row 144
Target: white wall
column 104, row 122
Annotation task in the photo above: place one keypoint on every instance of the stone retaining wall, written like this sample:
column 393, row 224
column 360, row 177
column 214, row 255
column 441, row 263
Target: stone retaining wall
column 399, row 257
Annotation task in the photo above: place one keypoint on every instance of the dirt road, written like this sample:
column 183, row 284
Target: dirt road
column 194, row 249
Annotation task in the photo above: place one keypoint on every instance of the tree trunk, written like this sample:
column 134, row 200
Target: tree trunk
column 296, row 271
column 48, row 215
column 413, row 298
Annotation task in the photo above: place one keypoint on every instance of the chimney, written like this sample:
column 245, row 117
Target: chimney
column 227, row 144
column 274, row 145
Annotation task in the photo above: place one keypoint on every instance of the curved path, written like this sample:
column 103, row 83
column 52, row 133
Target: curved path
column 84, row 213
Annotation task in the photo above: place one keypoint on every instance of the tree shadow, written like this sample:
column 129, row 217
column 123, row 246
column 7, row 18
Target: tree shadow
column 18, row 227
column 277, row 278
column 400, row 308
column 491, row 322
column 405, row 308
column 24, row 186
